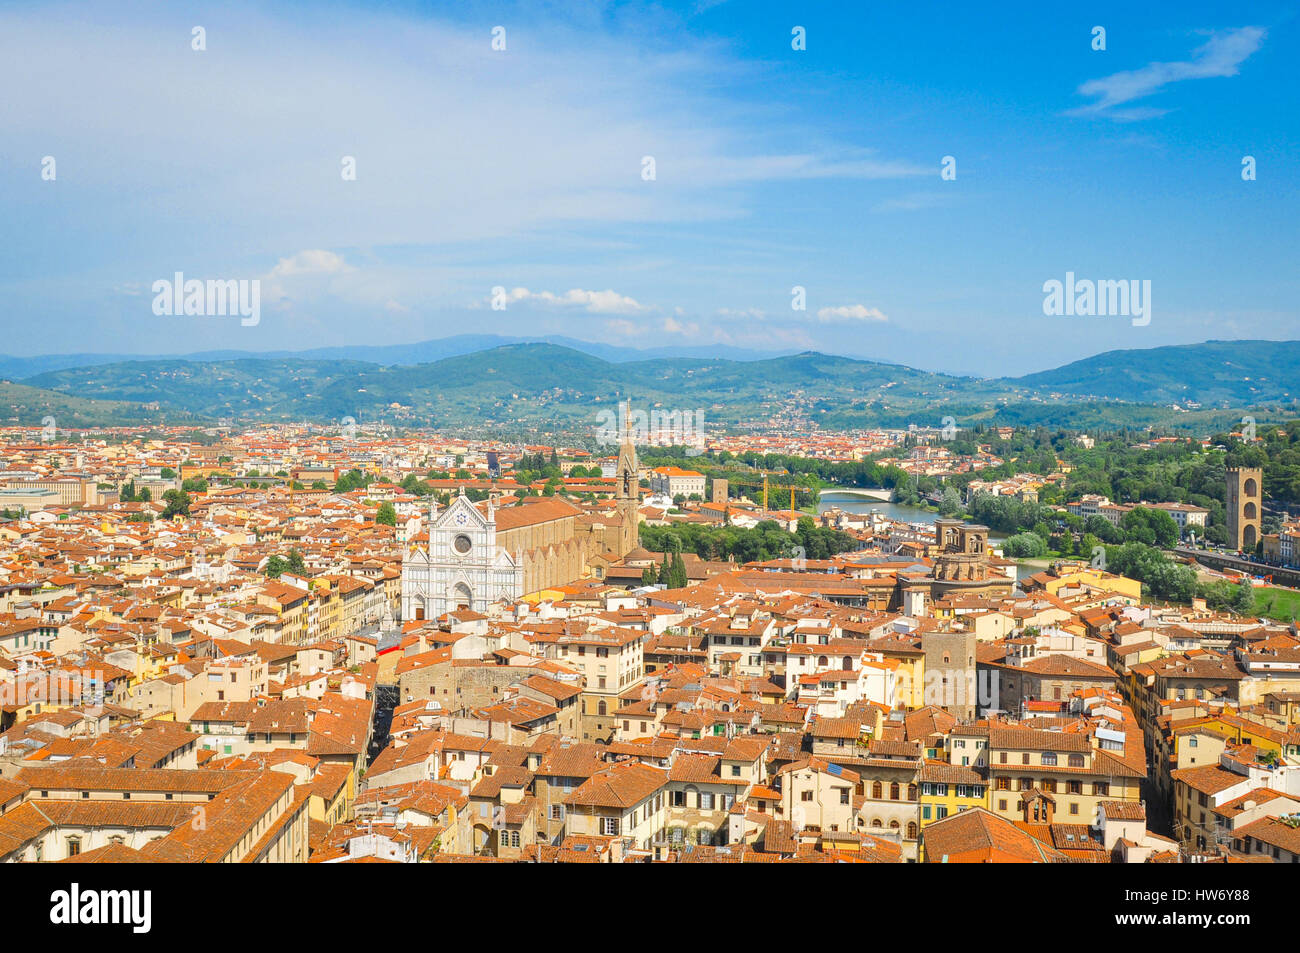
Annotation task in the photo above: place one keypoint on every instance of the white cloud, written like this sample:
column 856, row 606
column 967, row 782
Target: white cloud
column 593, row 302
column 302, row 274
column 1220, row 56
column 850, row 312
column 311, row 262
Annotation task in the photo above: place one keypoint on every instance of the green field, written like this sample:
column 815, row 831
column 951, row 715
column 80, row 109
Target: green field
column 1273, row 603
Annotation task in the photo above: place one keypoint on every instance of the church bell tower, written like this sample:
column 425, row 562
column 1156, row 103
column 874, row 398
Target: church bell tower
column 627, row 492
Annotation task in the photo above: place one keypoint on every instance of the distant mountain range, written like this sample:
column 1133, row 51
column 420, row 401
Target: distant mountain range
column 478, row 381
column 421, row 352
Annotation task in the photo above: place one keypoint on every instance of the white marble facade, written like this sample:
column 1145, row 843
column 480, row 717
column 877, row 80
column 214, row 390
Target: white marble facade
column 462, row 566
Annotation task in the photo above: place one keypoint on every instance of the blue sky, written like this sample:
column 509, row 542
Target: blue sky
column 774, row 168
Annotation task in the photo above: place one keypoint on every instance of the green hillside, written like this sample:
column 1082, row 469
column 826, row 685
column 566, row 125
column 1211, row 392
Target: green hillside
column 539, row 385
column 1216, row 373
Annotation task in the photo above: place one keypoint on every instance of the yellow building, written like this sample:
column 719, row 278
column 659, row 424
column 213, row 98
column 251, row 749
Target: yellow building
column 948, row 789
column 1074, row 575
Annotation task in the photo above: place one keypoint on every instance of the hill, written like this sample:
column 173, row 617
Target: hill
column 1216, row 373
column 23, row 405
column 528, row 386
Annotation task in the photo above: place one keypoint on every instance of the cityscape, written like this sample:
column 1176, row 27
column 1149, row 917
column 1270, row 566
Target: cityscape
column 650, row 434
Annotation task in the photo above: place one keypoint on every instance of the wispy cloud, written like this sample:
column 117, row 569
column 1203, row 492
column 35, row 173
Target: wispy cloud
column 593, row 302
column 1220, row 56
column 851, row 312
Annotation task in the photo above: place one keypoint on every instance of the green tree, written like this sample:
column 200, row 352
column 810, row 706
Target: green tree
column 178, row 504
column 677, row 575
column 387, row 515
column 1025, row 546
column 1243, row 600
column 950, row 503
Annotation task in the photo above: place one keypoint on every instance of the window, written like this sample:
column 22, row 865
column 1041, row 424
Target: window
column 706, row 800
column 1076, row 761
column 877, row 790
column 609, row 826
column 805, row 796
column 735, row 770
column 1049, row 758
column 74, row 846
column 844, row 795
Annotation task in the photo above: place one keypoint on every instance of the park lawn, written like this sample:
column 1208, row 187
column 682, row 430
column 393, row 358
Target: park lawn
column 1274, row 603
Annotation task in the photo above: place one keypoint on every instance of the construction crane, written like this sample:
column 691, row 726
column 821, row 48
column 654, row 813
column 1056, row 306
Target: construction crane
column 769, row 486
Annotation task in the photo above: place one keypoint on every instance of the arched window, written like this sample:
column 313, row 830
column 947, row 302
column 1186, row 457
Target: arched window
column 877, row 791
column 911, row 830
column 893, row 825
column 601, row 708
column 822, row 661
column 875, row 822
column 911, row 792
column 893, row 791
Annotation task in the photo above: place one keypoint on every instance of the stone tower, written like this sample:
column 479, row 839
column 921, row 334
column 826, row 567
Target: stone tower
column 950, row 672
column 627, row 492
column 1244, row 506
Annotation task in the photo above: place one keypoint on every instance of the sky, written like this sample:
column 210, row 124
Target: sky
column 525, row 169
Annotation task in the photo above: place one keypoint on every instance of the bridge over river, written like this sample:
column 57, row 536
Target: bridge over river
column 880, row 495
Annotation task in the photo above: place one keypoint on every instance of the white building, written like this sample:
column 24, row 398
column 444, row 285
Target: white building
column 459, row 565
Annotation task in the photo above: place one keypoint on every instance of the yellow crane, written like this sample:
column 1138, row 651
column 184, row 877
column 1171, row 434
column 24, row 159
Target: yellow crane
column 769, row 486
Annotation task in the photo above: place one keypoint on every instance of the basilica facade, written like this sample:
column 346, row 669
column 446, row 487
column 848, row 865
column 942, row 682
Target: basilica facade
column 473, row 555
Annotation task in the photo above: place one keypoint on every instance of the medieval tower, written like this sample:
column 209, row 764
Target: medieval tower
column 1244, row 506
column 627, row 493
